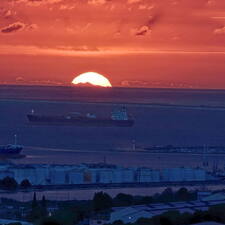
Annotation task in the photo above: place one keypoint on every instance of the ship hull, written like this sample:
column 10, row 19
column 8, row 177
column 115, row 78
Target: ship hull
column 10, row 151
column 64, row 121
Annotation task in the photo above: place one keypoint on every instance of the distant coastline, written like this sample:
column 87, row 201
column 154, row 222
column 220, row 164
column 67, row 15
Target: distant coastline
column 149, row 105
column 2, row 84
column 210, row 99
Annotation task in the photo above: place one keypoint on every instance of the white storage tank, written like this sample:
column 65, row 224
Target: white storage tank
column 105, row 176
column 172, row 174
column 188, row 174
column 147, row 175
column 128, row 176
column 200, row 174
column 24, row 172
column 90, row 176
column 42, row 175
column 76, row 176
column 155, row 176
column 117, row 176
column 57, row 176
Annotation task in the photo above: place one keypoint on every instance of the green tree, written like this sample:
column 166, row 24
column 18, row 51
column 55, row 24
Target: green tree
column 9, row 183
column 182, row 194
column 123, row 200
column 145, row 221
column 102, row 201
column 216, row 213
column 36, row 211
column 25, row 184
column 118, row 222
column 65, row 217
column 49, row 222
column 16, row 223
column 165, row 221
column 198, row 216
column 167, row 195
column 44, row 206
column 34, row 201
column 174, row 217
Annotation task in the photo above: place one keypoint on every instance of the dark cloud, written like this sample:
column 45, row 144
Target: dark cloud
column 115, row 23
column 142, row 31
column 147, row 27
column 13, row 27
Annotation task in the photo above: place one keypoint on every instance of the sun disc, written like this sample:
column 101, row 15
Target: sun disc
column 92, row 78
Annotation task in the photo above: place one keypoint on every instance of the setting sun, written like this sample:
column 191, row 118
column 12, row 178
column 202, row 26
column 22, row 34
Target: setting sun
column 92, row 78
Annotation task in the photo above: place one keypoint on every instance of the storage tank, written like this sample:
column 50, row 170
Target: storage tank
column 155, row 176
column 105, row 176
column 57, row 176
column 172, row 174
column 200, row 174
column 76, row 176
column 183, row 174
column 147, row 175
column 188, row 174
column 42, row 175
column 117, row 176
column 90, row 176
column 24, row 172
column 128, row 176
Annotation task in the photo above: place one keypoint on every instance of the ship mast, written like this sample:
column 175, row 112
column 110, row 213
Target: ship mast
column 134, row 145
column 15, row 139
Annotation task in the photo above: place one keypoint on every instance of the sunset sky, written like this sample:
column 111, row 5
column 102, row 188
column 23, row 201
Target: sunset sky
column 175, row 43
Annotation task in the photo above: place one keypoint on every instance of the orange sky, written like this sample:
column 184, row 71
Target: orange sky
column 175, row 43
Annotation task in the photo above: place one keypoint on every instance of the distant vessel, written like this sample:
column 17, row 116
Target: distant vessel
column 119, row 118
column 11, row 149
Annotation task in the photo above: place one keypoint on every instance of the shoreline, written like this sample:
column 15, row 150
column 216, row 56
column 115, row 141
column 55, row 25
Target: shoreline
column 85, row 194
column 93, row 186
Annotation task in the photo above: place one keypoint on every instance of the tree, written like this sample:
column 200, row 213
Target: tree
column 197, row 217
column 145, row 221
column 102, row 201
column 64, row 217
column 146, row 200
column 44, row 206
column 167, row 195
column 16, row 223
column 25, row 184
column 118, row 222
column 36, row 212
column 216, row 213
column 174, row 217
column 49, row 222
column 123, row 200
column 182, row 194
column 9, row 183
column 34, row 201
column 165, row 221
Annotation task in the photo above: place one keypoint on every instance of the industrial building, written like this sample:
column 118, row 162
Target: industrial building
column 39, row 174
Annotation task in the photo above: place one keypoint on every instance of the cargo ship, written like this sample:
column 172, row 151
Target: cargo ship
column 11, row 149
column 119, row 117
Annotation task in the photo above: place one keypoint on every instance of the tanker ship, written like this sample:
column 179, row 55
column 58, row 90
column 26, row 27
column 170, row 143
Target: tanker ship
column 119, row 117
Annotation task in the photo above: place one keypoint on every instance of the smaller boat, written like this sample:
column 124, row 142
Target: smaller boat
column 11, row 149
